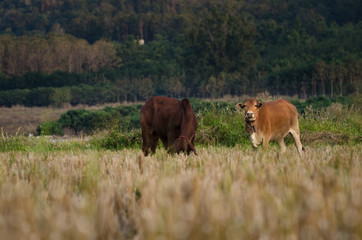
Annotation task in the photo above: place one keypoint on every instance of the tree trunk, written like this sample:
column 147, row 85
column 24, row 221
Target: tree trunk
column 331, row 88
column 323, row 86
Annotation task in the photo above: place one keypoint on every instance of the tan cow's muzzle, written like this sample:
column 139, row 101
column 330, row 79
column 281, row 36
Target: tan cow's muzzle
column 250, row 117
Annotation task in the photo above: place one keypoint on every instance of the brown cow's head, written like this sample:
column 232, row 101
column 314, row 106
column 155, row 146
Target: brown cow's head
column 251, row 108
column 182, row 144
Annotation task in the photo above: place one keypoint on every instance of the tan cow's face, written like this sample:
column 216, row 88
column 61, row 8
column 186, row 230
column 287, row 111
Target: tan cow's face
column 251, row 108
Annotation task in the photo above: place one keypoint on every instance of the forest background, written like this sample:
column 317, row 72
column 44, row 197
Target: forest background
column 58, row 52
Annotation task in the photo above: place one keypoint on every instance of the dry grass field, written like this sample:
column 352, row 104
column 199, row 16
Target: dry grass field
column 223, row 193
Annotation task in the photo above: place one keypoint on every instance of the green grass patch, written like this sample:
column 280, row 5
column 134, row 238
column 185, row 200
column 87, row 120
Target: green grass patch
column 41, row 144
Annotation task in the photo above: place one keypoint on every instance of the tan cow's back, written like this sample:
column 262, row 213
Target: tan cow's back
column 276, row 118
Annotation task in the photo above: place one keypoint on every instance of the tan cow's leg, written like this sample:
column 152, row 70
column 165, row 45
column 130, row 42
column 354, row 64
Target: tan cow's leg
column 296, row 136
column 265, row 143
column 282, row 145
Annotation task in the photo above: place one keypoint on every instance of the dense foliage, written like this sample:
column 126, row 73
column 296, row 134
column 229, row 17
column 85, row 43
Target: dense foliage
column 67, row 49
column 124, row 118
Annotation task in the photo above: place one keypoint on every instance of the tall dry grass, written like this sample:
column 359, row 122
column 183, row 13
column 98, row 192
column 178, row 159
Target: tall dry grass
column 223, row 193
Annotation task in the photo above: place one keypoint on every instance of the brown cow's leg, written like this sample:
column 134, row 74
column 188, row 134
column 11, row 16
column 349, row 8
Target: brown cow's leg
column 171, row 138
column 154, row 142
column 146, row 143
column 146, row 134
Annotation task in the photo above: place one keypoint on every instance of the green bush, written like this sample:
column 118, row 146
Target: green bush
column 336, row 118
column 14, row 143
column 123, row 118
column 74, row 119
column 319, row 102
column 220, row 124
column 50, row 128
column 202, row 105
column 322, row 102
column 116, row 140
column 86, row 121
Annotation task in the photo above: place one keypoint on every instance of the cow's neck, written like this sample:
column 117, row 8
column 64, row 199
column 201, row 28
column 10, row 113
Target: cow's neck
column 185, row 133
column 250, row 127
column 182, row 136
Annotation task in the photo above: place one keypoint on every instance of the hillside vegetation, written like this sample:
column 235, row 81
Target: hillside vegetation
column 100, row 51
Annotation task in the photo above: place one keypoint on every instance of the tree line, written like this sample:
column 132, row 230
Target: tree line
column 50, row 53
column 191, row 48
column 94, row 20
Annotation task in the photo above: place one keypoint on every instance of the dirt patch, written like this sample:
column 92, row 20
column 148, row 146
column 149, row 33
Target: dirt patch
column 328, row 138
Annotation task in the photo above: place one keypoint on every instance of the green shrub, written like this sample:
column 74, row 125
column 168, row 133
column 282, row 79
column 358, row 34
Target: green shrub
column 322, row 102
column 220, row 124
column 334, row 119
column 74, row 119
column 123, row 118
column 50, row 128
column 319, row 102
column 116, row 140
column 14, row 143
column 40, row 144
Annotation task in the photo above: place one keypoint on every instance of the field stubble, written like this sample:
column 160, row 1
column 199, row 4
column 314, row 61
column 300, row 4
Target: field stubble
column 223, row 193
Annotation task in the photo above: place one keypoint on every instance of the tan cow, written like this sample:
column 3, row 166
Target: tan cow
column 271, row 121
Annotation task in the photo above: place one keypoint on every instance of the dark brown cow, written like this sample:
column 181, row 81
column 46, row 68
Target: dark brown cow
column 271, row 121
column 170, row 120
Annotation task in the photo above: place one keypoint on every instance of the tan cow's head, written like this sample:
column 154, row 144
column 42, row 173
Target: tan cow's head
column 251, row 108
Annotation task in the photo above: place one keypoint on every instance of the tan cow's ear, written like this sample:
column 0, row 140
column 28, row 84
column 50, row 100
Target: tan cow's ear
column 240, row 105
column 258, row 105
